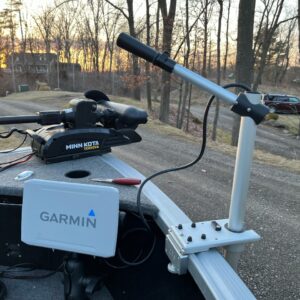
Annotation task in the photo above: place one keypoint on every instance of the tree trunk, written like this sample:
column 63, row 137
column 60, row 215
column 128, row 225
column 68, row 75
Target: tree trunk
column 186, row 63
column 205, row 39
column 104, row 58
column 267, row 39
column 147, row 67
column 227, row 43
column 299, row 31
column 156, row 46
column 179, row 103
column 208, row 72
column 244, row 55
column 216, row 116
column 135, row 63
column 168, row 23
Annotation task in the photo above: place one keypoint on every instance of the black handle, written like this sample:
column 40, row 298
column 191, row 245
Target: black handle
column 134, row 46
column 19, row 119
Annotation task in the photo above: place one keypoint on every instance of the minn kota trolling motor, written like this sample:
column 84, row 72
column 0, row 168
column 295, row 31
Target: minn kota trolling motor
column 89, row 127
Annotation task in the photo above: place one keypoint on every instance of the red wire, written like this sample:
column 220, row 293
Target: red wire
column 28, row 157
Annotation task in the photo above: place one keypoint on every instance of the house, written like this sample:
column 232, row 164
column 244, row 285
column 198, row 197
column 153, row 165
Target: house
column 38, row 63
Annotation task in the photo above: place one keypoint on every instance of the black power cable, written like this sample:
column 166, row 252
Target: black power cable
column 7, row 134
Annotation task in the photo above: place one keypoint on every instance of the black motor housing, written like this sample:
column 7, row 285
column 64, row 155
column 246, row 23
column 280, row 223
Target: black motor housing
column 55, row 143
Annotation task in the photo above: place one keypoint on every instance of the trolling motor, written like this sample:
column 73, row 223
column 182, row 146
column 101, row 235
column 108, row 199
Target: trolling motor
column 88, row 127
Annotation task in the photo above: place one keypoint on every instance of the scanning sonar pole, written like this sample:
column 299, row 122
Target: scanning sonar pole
column 247, row 105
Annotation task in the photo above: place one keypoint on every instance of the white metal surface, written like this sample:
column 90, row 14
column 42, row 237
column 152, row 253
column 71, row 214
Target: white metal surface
column 74, row 217
column 205, row 84
column 241, row 179
column 191, row 240
column 216, row 278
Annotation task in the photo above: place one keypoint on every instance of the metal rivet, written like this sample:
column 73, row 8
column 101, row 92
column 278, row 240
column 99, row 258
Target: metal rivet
column 203, row 236
column 189, row 239
column 179, row 226
column 193, row 225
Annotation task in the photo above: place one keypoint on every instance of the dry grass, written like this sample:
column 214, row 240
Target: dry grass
column 291, row 123
column 259, row 156
column 43, row 95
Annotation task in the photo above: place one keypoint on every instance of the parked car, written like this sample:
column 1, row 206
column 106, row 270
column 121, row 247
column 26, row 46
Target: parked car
column 282, row 103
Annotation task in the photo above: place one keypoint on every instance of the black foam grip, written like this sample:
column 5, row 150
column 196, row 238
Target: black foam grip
column 134, row 46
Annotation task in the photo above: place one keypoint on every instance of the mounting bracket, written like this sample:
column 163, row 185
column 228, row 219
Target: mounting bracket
column 192, row 238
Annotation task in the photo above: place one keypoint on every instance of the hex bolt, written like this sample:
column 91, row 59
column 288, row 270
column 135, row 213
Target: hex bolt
column 179, row 226
column 193, row 225
column 189, row 239
column 203, row 236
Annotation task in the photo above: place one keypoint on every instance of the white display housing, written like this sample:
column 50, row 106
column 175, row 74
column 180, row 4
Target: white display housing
column 79, row 218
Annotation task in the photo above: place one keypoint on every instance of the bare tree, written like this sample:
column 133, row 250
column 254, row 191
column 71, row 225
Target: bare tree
column 129, row 16
column 281, row 50
column 244, row 54
column 182, row 109
column 45, row 22
column 8, row 21
column 66, row 25
column 216, row 116
column 168, row 23
column 110, row 24
column 147, row 68
column 299, row 34
column 207, row 11
column 273, row 10
column 227, row 42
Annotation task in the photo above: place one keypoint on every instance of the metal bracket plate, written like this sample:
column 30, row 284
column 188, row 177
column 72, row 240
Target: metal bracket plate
column 185, row 239
column 197, row 237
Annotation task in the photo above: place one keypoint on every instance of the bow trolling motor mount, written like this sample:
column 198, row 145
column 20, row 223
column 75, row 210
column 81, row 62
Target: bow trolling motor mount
column 88, row 127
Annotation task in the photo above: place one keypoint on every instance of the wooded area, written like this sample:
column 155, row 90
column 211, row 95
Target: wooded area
column 249, row 42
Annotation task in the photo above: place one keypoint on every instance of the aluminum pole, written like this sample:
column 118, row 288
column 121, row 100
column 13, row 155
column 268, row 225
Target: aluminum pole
column 241, row 179
column 205, row 84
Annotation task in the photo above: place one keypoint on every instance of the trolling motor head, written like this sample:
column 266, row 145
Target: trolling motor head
column 127, row 116
column 84, row 129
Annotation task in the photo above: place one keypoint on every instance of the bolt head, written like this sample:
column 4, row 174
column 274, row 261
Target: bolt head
column 180, row 226
column 203, row 236
column 189, row 239
column 193, row 225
